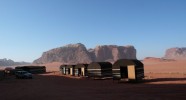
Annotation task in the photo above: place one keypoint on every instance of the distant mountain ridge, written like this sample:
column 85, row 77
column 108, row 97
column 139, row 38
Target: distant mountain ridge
column 77, row 53
column 9, row 62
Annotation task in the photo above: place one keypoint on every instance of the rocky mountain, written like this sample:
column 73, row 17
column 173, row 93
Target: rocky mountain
column 112, row 53
column 72, row 53
column 176, row 53
column 9, row 62
column 77, row 53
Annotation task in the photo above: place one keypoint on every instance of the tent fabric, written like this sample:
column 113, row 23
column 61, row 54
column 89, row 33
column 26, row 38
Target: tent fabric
column 81, row 70
column 62, row 69
column 62, row 66
column 99, row 65
column 70, row 66
column 126, row 62
column 100, row 69
column 68, row 69
column 81, row 66
column 32, row 69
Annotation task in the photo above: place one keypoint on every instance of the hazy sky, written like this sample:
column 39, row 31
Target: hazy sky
column 30, row 27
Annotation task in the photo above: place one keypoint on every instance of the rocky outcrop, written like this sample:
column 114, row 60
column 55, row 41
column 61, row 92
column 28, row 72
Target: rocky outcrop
column 9, row 62
column 176, row 53
column 112, row 53
column 69, row 54
column 77, row 53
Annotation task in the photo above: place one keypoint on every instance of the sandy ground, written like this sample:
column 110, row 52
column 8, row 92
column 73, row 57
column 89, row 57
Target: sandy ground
column 52, row 86
column 163, row 81
column 165, row 67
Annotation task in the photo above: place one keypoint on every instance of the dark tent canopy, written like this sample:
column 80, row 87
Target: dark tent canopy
column 131, row 69
column 126, row 62
column 32, row 69
column 100, row 69
column 62, row 69
column 81, row 65
column 81, row 70
column 70, row 69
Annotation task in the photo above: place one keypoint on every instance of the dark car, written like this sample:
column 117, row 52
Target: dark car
column 23, row 74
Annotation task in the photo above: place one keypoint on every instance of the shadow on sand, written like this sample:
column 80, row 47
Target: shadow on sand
column 163, row 80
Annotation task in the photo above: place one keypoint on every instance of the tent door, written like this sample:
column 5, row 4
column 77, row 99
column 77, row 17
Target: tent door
column 82, row 71
column 124, row 72
column 131, row 72
column 79, row 71
column 71, row 71
column 64, row 70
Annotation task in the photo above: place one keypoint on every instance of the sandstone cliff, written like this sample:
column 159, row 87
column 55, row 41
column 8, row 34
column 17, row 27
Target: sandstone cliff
column 69, row 54
column 112, row 53
column 175, row 53
column 77, row 53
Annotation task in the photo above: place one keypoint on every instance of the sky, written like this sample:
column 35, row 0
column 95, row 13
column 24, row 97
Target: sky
column 30, row 27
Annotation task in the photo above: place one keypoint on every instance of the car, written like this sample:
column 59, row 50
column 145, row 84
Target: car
column 23, row 75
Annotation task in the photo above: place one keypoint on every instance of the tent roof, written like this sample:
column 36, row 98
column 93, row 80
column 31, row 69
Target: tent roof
column 30, row 67
column 99, row 65
column 126, row 62
column 70, row 66
column 81, row 65
column 63, row 66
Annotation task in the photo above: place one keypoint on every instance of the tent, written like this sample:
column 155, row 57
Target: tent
column 81, row 70
column 128, row 69
column 32, row 69
column 99, row 69
column 70, row 70
column 62, row 69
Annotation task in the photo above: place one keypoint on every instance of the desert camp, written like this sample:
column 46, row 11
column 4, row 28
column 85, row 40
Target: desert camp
column 93, row 49
column 122, row 69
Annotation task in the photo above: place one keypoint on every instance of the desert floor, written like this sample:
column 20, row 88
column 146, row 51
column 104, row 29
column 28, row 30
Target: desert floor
column 162, row 82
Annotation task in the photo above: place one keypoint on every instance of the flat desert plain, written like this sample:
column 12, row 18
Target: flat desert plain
column 163, row 81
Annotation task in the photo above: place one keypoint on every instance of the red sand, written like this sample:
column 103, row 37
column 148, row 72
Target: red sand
column 165, row 67
column 163, row 81
column 55, row 87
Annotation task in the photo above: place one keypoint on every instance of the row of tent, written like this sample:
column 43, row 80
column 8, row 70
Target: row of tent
column 133, row 70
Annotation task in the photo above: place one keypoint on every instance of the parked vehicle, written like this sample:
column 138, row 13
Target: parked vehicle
column 23, row 75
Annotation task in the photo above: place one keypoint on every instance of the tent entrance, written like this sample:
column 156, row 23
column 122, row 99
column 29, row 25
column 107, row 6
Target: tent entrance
column 64, row 70
column 68, row 70
column 79, row 71
column 82, row 71
column 124, row 72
